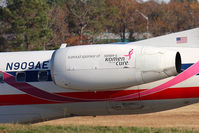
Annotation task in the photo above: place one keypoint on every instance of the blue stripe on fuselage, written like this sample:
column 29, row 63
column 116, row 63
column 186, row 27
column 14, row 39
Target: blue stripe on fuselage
column 32, row 76
column 185, row 66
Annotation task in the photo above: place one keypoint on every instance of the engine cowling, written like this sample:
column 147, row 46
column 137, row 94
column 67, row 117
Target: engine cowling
column 107, row 67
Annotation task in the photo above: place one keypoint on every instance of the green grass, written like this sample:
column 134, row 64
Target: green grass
column 11, row 128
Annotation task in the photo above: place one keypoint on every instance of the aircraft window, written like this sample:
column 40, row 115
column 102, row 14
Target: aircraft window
column 1, row 77
column 21, row 76
column 43, row 75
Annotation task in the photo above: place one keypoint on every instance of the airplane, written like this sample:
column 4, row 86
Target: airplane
column 151, row 75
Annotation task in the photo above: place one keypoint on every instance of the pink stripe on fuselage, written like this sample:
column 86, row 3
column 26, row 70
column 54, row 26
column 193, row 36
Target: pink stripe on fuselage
column 188, row 73
column 36, row 92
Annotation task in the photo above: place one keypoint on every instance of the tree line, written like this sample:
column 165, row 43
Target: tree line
column 45, row 24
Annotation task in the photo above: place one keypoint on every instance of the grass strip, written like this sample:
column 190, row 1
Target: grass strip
column 19, row 128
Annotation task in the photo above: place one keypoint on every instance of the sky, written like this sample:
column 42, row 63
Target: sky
column 160, row 0
column 2, row 2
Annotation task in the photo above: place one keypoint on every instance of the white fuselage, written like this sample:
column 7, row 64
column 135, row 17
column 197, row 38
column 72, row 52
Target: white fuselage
column 100, row 79
column 36, row 100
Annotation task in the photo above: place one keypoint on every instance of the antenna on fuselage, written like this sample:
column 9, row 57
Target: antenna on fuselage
column 63, row 45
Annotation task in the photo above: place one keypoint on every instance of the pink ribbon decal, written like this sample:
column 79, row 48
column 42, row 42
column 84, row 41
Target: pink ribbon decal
column 188, row 73
column 130, row 54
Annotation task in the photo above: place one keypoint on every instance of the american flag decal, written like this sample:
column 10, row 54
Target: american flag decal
column 181, row 40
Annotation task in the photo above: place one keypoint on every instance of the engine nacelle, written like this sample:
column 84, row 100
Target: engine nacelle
column 107, row 67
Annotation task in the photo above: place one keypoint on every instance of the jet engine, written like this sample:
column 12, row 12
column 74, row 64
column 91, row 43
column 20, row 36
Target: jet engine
column 107, row 67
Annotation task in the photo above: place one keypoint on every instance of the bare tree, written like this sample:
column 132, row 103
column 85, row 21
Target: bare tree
column 59, row 24
column 126, row 16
